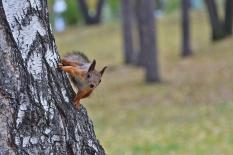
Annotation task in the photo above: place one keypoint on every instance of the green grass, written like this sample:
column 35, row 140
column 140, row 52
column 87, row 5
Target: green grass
column 189, row 113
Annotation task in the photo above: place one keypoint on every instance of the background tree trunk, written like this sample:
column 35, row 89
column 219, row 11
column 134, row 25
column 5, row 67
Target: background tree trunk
column 228, row 21
column 141, row 60
column 148, row 50
column 36, row 114
column 127, row 17
column 91, row 19
column 216, row 24
column 186, row 47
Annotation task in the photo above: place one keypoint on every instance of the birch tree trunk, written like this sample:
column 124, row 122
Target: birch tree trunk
column 36, row 111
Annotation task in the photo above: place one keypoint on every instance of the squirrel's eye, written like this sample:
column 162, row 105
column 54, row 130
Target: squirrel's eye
column 99, row 81
column 88, row 76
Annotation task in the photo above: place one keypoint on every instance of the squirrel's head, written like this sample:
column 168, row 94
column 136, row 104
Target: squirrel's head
column 93, row 76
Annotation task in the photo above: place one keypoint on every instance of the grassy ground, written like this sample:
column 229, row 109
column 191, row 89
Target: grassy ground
column 189, row 113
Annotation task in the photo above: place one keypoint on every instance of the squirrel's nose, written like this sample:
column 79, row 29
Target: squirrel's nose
column 92, row 86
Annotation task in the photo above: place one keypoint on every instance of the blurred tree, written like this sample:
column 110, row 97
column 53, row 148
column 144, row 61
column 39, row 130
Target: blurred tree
column 148, row 46
column 220, row 29
column 186, row 47
column 90, row 17
column 216, row 24
column 141, row 60
column 36, row 113
column 127, row 17
column 228, row 21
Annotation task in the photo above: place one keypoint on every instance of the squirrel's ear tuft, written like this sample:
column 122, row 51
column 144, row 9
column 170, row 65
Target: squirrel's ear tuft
column 92, row 67
column 102, row 71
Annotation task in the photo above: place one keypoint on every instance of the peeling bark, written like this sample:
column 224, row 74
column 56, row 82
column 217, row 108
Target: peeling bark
column 36, row 111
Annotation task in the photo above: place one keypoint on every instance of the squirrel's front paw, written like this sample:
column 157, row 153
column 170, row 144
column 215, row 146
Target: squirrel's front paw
column 60, row 65
column 77, row 105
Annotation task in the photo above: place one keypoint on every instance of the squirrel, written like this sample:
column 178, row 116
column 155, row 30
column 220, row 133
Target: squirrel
column 82, row 75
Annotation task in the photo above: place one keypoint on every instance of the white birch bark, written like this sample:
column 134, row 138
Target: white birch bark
column 36, row 111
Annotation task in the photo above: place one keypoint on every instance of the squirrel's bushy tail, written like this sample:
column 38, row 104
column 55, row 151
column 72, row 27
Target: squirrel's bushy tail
column 77, row 56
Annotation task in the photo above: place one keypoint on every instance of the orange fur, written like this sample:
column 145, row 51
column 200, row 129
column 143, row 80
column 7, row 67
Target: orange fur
column 80, row 95
column 74, row 70
column 69, row 63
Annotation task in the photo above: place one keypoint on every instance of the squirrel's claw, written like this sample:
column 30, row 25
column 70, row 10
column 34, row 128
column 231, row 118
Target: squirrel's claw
column 77, row 103
column 60, row 65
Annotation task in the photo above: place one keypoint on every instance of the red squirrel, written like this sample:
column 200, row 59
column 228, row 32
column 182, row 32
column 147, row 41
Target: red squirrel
column 82, row 74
